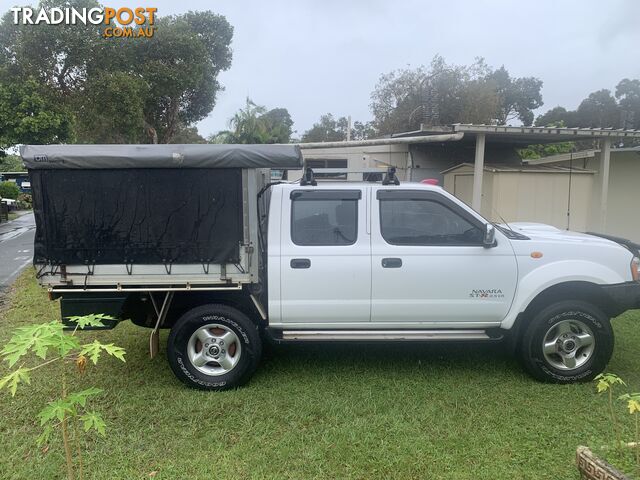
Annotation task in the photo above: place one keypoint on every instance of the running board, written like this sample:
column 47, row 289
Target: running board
column 375, row 335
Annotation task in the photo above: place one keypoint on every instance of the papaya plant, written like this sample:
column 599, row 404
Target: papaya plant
column 606, row 383
column 70, row 413
column 633, row 405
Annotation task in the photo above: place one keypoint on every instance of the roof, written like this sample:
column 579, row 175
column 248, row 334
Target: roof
column 522, row 168
column 565, row 157
column 509, row 135
column 38, row 157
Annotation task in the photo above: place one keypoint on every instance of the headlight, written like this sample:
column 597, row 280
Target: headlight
column 635, row 267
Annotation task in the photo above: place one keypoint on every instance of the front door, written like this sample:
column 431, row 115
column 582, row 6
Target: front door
column 325, row 258
column 429, row 266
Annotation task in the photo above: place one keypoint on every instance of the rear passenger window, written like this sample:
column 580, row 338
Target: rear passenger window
column 324, row 221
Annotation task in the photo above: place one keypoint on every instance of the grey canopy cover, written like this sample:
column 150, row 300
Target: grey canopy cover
column 39, row 157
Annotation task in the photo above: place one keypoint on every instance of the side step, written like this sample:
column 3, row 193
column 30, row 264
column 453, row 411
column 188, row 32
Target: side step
column 375, row 335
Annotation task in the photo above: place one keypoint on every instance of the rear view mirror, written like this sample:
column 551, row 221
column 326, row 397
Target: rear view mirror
column 489, row 239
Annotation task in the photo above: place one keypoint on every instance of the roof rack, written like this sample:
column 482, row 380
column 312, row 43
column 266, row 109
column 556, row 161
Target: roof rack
column 390, row 177
column 308, row 178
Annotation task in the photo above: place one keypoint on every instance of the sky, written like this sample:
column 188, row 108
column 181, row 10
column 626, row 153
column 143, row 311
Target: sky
column 316, row 57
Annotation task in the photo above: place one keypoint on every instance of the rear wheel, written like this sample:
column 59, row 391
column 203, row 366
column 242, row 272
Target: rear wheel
column 567, row 342
column 214, row 347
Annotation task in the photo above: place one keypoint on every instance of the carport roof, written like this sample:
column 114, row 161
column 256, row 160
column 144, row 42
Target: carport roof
column 522, row 168
column 509, row 135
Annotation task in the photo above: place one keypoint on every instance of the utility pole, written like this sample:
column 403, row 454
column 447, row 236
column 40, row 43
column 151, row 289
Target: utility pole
column 349, row 128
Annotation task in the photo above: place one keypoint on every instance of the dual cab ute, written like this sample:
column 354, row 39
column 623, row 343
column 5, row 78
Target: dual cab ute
column 194, row 238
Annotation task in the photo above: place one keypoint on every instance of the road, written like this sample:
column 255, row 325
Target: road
column 16, row 248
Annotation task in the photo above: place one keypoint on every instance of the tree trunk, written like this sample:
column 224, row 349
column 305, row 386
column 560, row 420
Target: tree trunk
column 150, row 132
column 172, row 121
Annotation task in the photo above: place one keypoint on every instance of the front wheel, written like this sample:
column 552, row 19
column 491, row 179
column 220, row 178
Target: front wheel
column 214, row 347
column 567, row 342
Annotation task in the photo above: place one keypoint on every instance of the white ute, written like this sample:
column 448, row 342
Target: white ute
column 377, row 262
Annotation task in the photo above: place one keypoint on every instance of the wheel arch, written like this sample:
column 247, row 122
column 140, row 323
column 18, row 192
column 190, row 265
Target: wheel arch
column 584, row 291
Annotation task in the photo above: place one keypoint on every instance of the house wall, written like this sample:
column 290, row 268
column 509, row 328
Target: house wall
column 430, row 160
column 623, row 215
column 362, row 158
column 543, row 198
column 527, row 196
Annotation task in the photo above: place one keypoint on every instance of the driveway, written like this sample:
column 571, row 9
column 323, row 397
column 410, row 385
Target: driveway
column 16, row 248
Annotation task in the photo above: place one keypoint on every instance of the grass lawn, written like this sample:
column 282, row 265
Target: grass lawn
column 318, row 412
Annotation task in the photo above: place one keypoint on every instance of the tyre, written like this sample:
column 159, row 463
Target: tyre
column 567, row 342
column 214, row 347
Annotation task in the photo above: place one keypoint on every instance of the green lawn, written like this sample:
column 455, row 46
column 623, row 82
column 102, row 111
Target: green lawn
column 318, row 412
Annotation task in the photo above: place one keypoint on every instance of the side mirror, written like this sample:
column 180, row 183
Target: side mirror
column 489, row 239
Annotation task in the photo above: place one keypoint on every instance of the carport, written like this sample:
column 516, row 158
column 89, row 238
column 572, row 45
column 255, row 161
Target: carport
column 521, row 137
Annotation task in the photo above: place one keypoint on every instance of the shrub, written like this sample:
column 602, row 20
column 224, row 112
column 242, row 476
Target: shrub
column 9, row 190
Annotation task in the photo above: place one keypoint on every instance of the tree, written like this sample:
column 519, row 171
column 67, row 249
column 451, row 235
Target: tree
column 628, row 96
column 29, row 113
column 598, row 110
column 445, row 94
column 278, row 124
column 9, row 190
column 123, row 89
column 328, row 129
column 557, row 115
column 112, row 110
column 11, row 163
column 601, row 109
column 254, row 124
column 181, row 63
column 188, row 135
column 517, row 97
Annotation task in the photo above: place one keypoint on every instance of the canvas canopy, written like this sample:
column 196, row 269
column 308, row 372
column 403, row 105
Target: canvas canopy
column 45, row 157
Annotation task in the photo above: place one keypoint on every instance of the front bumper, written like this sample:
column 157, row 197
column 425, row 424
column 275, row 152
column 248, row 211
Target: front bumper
column 623, row 296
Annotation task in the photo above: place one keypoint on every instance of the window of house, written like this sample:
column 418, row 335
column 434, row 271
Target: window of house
column 318, row 164
column 425, row 222
column 324, row 218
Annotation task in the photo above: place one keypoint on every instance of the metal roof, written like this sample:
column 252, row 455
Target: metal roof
column 509, row 135
column 522, row 168
column 564, row 157
column 579, row 155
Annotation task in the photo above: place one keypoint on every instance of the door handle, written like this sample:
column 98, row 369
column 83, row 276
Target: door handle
column 391, row 262
column 300, row 263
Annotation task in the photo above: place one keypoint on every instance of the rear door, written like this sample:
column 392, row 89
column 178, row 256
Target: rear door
column 325, row 257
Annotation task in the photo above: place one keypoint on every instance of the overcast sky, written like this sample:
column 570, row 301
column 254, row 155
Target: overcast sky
column 314, row 57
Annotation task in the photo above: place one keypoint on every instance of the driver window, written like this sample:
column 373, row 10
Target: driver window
column 425, row 222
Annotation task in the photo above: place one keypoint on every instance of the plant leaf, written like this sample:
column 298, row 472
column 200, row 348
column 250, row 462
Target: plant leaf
column 80, row 398
column 606, row 381
column 56, row 410
column 92, row 320
column 93, row 420
column 38, row 337
column 93, row 350
column 14, row 378
column 45, row 435
column 115, row 351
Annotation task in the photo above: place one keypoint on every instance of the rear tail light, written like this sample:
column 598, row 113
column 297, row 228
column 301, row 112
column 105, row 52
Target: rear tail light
column 635, row 268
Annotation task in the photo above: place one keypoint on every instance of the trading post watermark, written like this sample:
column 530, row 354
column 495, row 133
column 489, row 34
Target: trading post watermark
column 118, row 22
